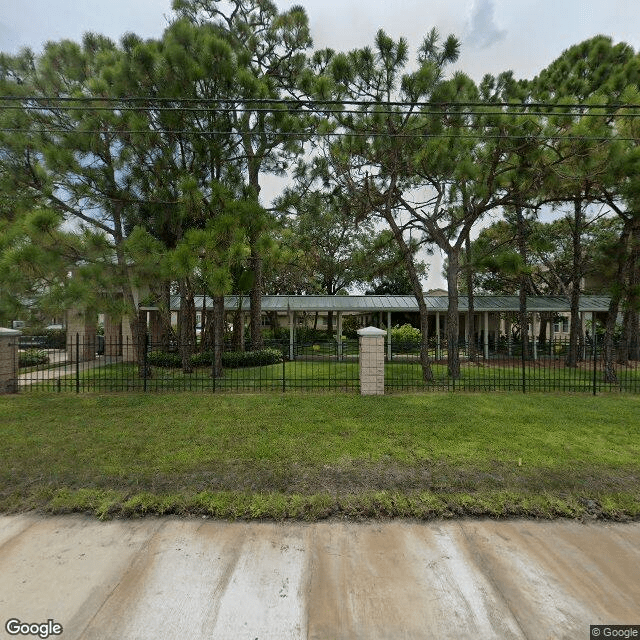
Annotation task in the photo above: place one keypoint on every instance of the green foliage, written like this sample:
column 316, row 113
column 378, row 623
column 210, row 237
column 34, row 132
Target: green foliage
column 32, row 358
column 257, row 358
column 164, row 359
column 277, row 333
column 230, row 360
column 309, row 334
column 56, row 338
column 350, row 326
column 406, row 334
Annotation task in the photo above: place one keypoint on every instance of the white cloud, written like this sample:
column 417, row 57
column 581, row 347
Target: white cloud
column 482, row 29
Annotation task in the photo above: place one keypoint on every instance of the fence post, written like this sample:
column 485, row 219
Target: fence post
column 371, row 342
column 283, row 373
column 145, row 360
column 524, row 372
column 213, row 363
column 595, row 365
column 77, row 363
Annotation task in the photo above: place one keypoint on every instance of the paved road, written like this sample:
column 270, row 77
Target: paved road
column 160, row 578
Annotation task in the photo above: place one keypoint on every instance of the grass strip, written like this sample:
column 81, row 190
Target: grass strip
column 229, row 505
column 316, row 456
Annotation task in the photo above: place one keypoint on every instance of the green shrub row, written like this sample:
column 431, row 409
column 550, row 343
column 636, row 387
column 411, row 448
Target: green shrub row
column 230, row 360
column 164, row 359
column 32, row 358
column 261, row 357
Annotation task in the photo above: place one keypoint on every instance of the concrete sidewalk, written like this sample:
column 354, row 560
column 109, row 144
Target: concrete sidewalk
column 61, row 367
column 172, row 578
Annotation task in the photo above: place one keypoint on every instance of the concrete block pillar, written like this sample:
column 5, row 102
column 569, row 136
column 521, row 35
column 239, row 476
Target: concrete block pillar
column 371, row 342
column 9, row 360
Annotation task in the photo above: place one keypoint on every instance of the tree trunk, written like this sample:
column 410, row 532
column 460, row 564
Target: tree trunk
column 524, row 283
column 453, row 355
column 416, row 285
column 607, row 345
column 634, row 296
column 624, row 260
column 138, row 325
column 165, row 317
column 207, row 339
column 634, row 338
column 256, row 297
column 187, row 333
column 623, row 344
column 218, row 336
column 576, row 276
column 545, row 318
column 471, row 343
column 238, row 327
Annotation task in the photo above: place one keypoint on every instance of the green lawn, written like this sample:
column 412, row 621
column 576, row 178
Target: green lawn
column 311, row 456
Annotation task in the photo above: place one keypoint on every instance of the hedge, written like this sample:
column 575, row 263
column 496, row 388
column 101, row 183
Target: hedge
column 230, row 360
column 32, row 358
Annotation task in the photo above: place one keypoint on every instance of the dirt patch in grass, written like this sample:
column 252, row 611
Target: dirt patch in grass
column 351, row 476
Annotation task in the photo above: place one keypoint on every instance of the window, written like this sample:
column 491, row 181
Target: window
column 561, row 325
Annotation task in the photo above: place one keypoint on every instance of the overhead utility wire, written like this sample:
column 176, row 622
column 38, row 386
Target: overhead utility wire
column 88, row 109
column 315, row 101
column 327, row 134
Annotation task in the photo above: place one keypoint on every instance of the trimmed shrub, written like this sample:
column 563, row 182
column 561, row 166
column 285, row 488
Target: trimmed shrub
column 230, row 359
column 406, row 333
column 309, row 335
column 204, row 359
column 32, row 358
column 262, row 357
column 405, row 339
column 56, row 338
column 164, row 359
column 278, row 333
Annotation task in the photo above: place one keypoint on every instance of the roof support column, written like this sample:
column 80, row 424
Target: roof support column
column 534, row 336
column 339, row 334
column 389, row 335
column 437, row 335
column 486, row 335
column 583, row 327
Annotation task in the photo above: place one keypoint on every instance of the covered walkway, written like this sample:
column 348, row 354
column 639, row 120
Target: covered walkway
column 378, row 309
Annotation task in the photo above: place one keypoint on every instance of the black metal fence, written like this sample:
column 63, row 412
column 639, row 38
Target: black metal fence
column 89, row 363
column 93, row 364
column 513, row 366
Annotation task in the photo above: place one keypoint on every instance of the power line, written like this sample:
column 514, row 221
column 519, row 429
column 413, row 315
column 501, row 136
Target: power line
column 316, row 101
column 245, row 109
column 323, row 134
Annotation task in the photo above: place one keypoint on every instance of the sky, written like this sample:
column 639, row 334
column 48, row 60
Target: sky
column 497, row 35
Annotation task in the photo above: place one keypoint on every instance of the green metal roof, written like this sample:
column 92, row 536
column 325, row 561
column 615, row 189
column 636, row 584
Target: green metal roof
column 371, row 304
